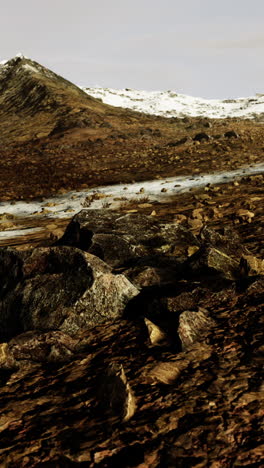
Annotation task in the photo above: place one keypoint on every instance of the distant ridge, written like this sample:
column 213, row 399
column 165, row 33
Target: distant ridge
column 172, row 104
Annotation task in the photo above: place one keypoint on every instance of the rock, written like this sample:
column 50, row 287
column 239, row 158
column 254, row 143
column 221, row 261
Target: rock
column 154, row 271
column 231, row 134
column 157, row 336
column 113, row 249
column 117, row 393
column 195, row 224
column 207, row 124
column 180, row 218
column 202, row 136
column 145, row 205
column 166, row 372
column 245, row 215
column 192, row 249
column 7, row 361
column 198, row 213
column 118, row 239
column 53, row 346
column 229, row 242
column 163, row 190
column 252, row 265
column 193, row 326
column 59, row 288
column 216, row 261
column 180, row 142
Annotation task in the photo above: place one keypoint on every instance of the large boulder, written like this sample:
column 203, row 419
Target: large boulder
column 223, row 254
column 117, row 239
column 58, row 288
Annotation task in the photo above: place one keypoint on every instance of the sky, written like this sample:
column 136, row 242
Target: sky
column 205, row 48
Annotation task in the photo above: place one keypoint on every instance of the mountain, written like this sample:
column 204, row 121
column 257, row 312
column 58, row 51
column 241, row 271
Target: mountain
column 36, row 103
column 54, row 137
column 172, row 104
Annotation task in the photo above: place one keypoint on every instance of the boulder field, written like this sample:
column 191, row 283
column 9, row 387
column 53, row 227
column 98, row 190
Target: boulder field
column 131, row 342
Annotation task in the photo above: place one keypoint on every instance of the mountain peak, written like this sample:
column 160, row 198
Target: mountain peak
column 27, row 64
column 36, row 101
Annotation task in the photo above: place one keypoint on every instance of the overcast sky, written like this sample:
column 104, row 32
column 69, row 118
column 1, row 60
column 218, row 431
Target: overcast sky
column 208, row 48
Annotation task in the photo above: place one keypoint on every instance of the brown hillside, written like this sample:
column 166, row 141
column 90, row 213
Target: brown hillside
column 54, row 137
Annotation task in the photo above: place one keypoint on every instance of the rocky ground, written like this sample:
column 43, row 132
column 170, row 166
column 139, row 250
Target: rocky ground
column 130, row 337
column 135, row 343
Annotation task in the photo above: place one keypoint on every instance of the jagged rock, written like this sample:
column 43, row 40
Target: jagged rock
column 192, row 326
column 229, row 242
column 252, row 265
column 117, row 239
column 113, row 249
column 7, row 360
column 68, row 400
column 145, row 276
column 117, row 392
column 254, row 293
column 53, row 346
column 215, row 261
column 59, row 288
column 55, row 414
column 157, row 336
column 192, row 249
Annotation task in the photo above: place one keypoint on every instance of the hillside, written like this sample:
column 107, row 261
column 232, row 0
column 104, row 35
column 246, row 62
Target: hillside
column 54, row 138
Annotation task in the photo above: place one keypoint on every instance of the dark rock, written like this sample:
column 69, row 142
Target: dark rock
column 207, row 124
column 154, row 271
column 231, row 134
column 117, row 239
column 53, row 346
column 105, row 396
column 61, row 288
column 202, row 136
column 180, row 142
column 212, row 261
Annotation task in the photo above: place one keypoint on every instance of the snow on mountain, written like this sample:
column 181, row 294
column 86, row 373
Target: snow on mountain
column 171, row 104
column 165, row 103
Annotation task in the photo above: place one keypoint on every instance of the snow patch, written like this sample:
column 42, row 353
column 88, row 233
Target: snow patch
column 65, row 206
column 30, row 68
column 171, row 104
column 18, row 232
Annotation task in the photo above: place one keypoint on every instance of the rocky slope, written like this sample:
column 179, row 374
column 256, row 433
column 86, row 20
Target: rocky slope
column 134, row 344
column 54, row 137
